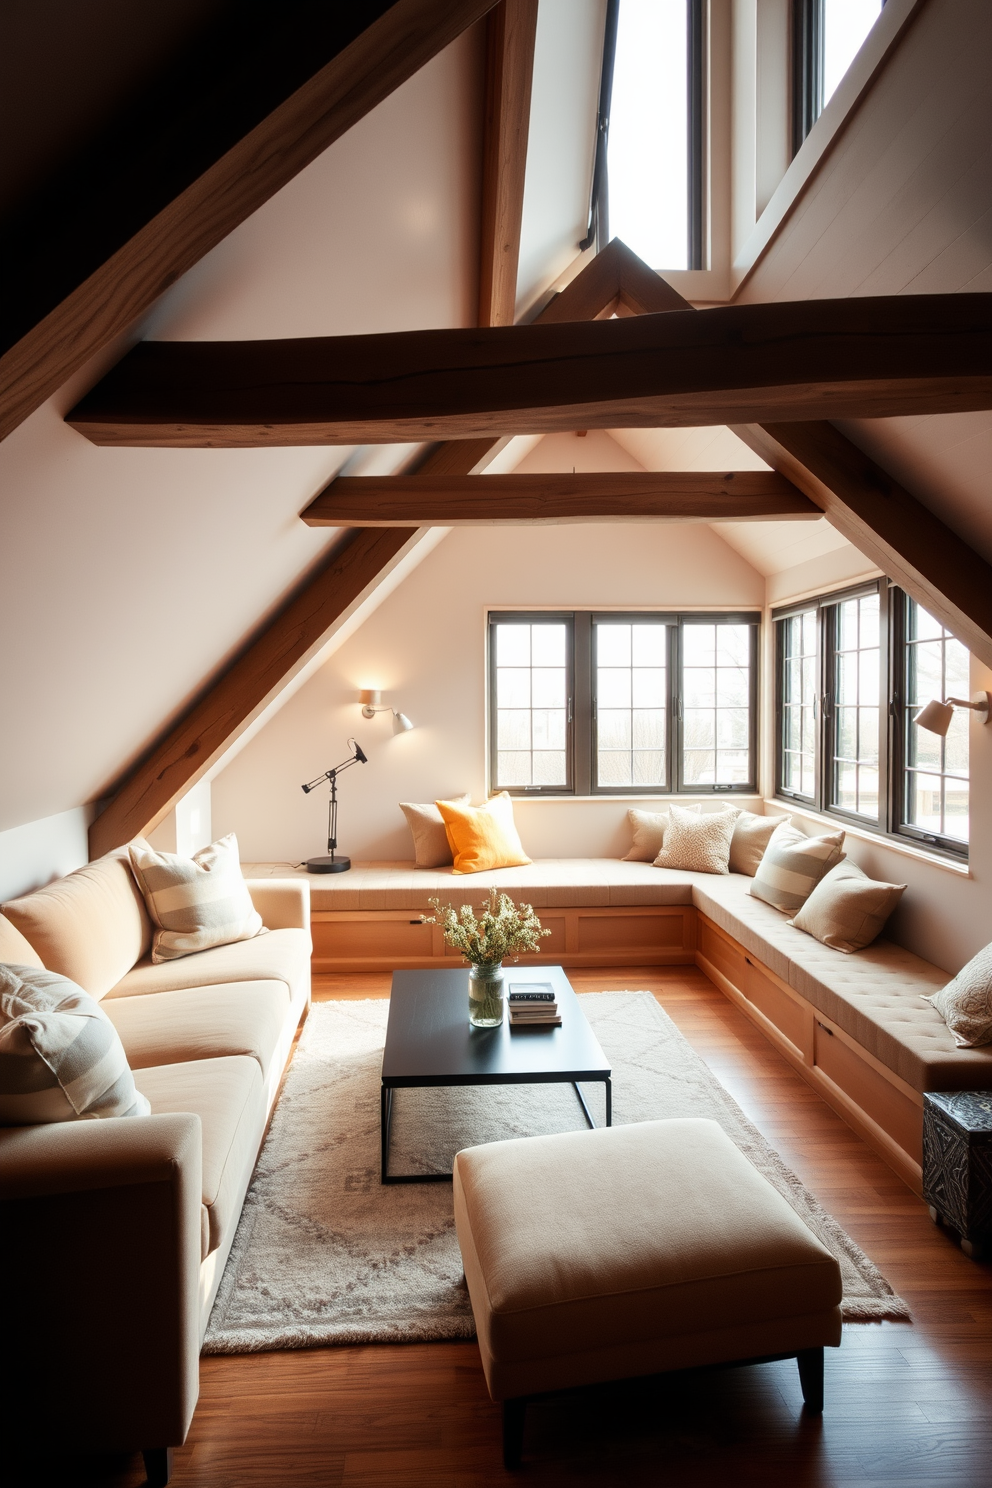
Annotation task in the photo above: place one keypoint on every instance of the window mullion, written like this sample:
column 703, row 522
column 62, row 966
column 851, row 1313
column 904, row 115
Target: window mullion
column 582, row 727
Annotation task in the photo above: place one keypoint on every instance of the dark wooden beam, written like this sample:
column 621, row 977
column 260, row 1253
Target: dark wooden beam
column 513, row 500
column 511, row 29
column 221, row 134
column 875, row 357
column 891, row 527
column 188, row 748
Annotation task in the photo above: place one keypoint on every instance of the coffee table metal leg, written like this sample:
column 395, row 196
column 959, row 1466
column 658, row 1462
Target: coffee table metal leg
column 385, row 1113
column 609, row 1101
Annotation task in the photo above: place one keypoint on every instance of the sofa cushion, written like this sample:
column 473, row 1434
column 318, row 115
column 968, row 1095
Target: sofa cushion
column 280, row 956
column 431, row 848
column 965, row 1004
column 848, row 910
column 195, row 903
column 60, row 1056
column 752, row 835
column 15, row 950
column 483, row 837
column 202, row 1023
column 698, row 844
column 793, row 865
column 648, row 828
column 91, row 926
column 227, row 1096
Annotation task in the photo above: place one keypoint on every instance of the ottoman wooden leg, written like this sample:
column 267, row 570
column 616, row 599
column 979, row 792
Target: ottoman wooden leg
column 513, row 1432
column 810, row 1363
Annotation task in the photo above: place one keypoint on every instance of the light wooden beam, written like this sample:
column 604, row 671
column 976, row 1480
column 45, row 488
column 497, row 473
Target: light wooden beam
column 869, row 357
column 187, row 750
column 103, row 244
column 514, row 500
column 511, row 29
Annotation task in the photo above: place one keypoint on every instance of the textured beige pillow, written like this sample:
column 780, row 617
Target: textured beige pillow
column 698, row 844
column 751, row 837
column 431, row 847
column 847, row 909
column 793, row 866
column 649, row 834
column 965, row 1004
column 196, row 902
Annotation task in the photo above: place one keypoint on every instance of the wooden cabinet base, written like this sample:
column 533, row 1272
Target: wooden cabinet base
column 398, row 940
column 883, row 1110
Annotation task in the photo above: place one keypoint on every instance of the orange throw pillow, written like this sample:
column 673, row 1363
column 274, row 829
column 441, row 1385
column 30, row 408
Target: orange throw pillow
column 482, row 837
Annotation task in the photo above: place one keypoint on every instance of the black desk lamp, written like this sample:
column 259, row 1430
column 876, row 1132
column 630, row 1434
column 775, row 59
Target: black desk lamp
column 333, row 863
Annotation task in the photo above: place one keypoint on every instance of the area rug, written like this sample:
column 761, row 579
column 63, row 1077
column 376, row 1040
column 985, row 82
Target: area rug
column 325, row 1254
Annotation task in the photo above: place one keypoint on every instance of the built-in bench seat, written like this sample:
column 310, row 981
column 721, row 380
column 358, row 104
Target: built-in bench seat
column 856, row 1026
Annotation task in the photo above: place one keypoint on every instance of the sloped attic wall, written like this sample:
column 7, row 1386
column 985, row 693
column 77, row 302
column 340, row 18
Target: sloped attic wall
column 127, row 576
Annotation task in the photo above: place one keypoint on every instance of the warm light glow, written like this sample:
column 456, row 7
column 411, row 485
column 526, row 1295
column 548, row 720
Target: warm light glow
column 846, row 23
column 648, row 143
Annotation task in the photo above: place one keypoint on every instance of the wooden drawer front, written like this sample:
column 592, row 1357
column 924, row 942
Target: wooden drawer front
column 790, row 1017
column 887, row 1105
column 620, row 932
column 335, row 939
column 727, row 957
column 552, row 945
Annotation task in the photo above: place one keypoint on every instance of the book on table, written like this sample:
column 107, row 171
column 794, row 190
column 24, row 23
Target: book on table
column 533, row 1002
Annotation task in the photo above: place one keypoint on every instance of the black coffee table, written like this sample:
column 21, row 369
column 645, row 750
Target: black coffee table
column 429, row 1041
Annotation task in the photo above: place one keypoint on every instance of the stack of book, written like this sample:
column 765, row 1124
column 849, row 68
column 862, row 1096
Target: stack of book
column 533, row 1003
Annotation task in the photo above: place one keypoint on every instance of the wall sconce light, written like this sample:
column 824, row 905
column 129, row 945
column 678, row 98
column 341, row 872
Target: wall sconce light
column 936, row 716
column 371, row 701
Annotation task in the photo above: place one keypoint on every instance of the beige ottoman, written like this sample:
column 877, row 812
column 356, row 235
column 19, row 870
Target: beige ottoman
column 599, row 1255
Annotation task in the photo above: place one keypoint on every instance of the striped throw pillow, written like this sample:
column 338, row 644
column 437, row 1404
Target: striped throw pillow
column 61, row 1058
column 196, row 902
column 793, row 865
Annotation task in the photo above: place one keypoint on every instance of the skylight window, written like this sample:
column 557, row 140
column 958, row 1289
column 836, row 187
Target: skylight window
column 654, row 132
column 827, row 35
column 846, row 23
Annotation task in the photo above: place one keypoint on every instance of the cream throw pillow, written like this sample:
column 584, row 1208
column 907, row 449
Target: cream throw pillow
column 698, row 844
column 61, row 1058
column 751, row 837
column 847, row 909
column 793, row 866
column 197, row 902
column 965, row 1004
column 649, row 834
column 431, row 848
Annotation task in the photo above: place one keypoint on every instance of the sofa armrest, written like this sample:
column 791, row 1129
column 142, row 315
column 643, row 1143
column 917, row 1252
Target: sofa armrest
column 283, row 903
column 100, row 1244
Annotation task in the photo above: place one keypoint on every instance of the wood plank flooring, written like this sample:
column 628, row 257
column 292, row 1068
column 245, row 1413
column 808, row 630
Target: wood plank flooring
column 907, row 1405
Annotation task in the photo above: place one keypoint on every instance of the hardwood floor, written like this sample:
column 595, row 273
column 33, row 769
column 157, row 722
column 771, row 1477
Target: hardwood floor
column 907, row 1405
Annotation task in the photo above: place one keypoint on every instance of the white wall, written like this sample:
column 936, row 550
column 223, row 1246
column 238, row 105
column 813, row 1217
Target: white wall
column 425, row 648
column 36, row 852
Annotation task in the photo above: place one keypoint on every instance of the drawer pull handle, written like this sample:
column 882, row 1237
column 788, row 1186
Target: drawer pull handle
column 748, row 961
column 825, row 1028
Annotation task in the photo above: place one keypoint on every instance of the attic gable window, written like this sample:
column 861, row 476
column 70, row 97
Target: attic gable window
column 827, row 36
column 651, row 119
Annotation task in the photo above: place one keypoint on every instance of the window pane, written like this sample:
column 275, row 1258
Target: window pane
column 799, row 681
column 531, row 692
column 630, row 677
column 846, row 23
column 935, row 783
column 854, row 725
column 648, row 139
column 716, row 699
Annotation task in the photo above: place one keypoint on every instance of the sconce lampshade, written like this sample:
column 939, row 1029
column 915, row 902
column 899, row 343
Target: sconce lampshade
column 935, row 717
column 403, row 722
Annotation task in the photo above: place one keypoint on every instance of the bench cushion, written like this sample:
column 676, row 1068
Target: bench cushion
column 596, row 1255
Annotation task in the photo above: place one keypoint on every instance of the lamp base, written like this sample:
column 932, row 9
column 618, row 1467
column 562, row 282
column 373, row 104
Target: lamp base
column 336, row 864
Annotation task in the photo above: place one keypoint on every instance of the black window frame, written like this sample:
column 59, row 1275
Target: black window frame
column 892, row 820
column 696, row 101
column 581, row 724
column 808, row 57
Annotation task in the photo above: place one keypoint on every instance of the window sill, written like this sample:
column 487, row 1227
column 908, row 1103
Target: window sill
column 875, row 839
column 634, row 799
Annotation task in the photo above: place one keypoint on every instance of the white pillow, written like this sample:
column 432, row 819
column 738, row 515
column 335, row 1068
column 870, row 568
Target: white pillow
column 965, row 1004
column 698, row 844
column 61, row 1058
column 197, row 902
column 431, row 848
column 793, row 865
column 649, row 834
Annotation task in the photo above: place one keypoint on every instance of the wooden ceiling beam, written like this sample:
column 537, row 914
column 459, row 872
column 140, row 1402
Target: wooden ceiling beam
column 189, row 747
column 511, row 30
column 866, row 357
column 514, row 500
column 190, row 164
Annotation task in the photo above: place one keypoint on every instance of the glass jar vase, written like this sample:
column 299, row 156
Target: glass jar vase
column 485, row 995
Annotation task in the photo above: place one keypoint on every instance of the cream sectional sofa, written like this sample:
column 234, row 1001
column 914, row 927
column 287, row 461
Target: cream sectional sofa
column 114, row 1233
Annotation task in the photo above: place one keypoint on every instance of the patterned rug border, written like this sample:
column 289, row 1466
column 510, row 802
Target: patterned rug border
column 300, row 1332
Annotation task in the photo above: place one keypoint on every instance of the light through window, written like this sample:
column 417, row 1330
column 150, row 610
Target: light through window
column 631, row 695
column 936, row 769
column 531, row 675
column 800, row 681
column 846, row 23
column 716, row 673
column 855, row 699
column 648, row 158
